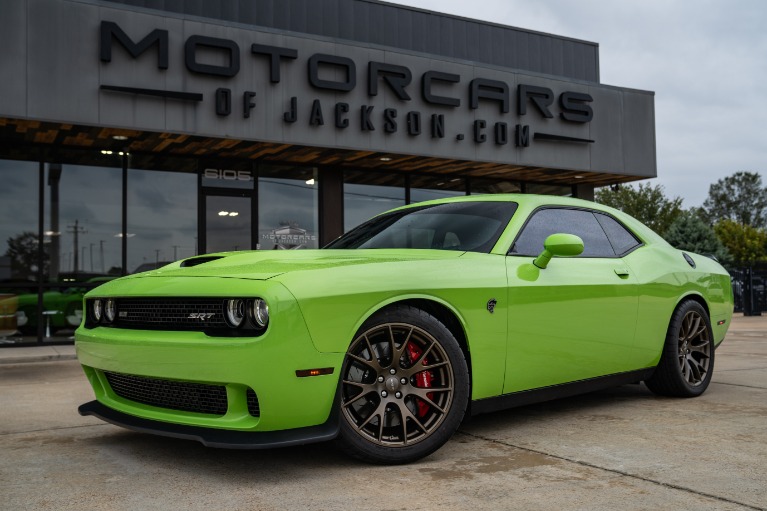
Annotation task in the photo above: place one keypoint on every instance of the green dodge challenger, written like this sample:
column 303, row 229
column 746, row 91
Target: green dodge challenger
column 387, row 338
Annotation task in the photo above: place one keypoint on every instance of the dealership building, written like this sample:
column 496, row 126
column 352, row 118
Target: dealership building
column 137, row 132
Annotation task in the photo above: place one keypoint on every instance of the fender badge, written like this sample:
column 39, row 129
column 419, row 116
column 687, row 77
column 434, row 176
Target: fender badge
column 491, row 305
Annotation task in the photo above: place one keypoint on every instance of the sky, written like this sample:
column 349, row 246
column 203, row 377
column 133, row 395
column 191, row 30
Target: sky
column 706, row 61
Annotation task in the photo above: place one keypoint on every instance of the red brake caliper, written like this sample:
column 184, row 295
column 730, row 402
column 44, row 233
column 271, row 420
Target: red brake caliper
column 422, row 379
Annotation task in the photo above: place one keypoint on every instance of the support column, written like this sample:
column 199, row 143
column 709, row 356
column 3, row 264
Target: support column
column 331, row 204
column 584, row 191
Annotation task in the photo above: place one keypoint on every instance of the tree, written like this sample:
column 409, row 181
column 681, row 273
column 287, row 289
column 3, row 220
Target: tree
column 740, row 197
column 689, row 232
column 745, row 243
column 646, row 203
column 22, row 249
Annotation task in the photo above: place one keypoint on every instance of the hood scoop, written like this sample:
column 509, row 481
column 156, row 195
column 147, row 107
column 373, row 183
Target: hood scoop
column 196, row 261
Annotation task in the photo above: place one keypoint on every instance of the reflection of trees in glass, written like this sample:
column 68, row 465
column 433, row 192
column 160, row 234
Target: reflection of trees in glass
column 22, row 249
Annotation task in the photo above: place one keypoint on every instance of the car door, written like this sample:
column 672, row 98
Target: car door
column 575, row 319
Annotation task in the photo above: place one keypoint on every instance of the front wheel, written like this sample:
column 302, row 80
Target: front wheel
column 687, row 361
column 404, row 388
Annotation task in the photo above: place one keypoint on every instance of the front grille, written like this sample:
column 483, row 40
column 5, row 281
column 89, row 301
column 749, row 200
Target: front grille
column 184, row 396
column 170, row 313
column 253, row 407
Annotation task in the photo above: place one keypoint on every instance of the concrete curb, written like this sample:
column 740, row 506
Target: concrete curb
column 36, row 354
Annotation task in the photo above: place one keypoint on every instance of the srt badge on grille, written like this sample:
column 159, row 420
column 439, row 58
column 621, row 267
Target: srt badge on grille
column 202, row 316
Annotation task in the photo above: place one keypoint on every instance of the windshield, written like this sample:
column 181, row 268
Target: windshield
column 463, row 226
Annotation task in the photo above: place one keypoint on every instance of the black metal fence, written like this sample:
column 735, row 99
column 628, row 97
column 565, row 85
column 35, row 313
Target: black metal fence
column 748, row 287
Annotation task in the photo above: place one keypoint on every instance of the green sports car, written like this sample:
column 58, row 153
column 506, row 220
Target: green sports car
column 387, row 338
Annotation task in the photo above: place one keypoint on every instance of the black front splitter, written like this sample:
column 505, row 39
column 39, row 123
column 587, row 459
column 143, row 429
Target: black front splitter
column 211, row 437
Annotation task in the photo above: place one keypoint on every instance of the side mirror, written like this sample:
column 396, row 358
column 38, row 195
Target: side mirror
column 560, row 244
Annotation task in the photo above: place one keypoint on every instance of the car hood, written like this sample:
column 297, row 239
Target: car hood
column 263, row 265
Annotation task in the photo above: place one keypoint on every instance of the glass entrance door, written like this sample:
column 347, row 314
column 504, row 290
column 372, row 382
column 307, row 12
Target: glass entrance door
column 228, row 222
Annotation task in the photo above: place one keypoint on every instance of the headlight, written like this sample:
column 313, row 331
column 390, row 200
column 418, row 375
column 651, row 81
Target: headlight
column 259, row 312
column 109, row 310
column 97, row 310
column 235, row 312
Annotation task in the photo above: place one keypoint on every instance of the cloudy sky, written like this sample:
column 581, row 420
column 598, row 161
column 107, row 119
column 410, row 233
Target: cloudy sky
column 706, row 60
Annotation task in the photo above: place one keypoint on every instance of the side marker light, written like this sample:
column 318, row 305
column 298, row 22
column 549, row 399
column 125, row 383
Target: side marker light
column 303, row 373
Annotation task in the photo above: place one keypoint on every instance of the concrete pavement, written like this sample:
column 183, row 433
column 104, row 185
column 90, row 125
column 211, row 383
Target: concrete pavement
column 618, row 449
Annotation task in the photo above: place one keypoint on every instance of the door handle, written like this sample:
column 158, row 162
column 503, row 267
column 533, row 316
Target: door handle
column 622, row 272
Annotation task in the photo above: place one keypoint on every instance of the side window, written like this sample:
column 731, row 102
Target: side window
column 620, row 238
column 546, row 222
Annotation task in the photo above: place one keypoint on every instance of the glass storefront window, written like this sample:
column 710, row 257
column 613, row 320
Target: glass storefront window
column 367, row 194
column 287, row 207
column 542, row 189
column 480, row 186
column 83, row 209
column 83, row 224
column 162, row 218
column 423, row 188
column 18, row 243
column 18, row 221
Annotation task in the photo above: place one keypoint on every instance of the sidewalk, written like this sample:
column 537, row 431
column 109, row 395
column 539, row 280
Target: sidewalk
column 44, row 353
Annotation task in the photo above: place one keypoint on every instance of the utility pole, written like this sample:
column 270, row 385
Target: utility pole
column 175, row 252
column 101, row 254
column 77, row 230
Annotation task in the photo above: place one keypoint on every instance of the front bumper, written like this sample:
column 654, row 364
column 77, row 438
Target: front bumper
column 265, row 364
column 221, row 438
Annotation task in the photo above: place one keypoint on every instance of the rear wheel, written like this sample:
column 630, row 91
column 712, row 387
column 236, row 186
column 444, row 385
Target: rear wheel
column 405, row 387
column 687, row 362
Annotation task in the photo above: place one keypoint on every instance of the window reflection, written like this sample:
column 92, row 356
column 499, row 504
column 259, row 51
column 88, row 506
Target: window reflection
column 287, row 207
column 480, row 186
column 18, row 221
column 367, row 194
column 423, row 188
column 162, row 218
column 541, row 189
column 84, row 221
column 18, row 246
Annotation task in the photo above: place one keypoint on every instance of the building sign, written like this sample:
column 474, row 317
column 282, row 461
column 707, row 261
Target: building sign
column 330, row 78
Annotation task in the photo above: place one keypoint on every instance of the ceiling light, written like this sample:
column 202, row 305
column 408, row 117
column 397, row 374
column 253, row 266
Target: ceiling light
column 223, row 213
column 106, row 152
column 234, row 213
column 385, row 158
column 579, row 177
column 119, row 137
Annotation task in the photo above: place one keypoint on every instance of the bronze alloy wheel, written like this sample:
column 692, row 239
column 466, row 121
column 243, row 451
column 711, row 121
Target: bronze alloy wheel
column 687, row 359
column 694, row 348
column 397, row 385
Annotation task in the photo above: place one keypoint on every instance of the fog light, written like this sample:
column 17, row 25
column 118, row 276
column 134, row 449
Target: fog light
column 235, row 312
column 259, row 312
column 109, row 310
column 97, row 309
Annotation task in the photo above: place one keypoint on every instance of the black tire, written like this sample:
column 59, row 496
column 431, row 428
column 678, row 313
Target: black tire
column 687, row 361
column 387, row 415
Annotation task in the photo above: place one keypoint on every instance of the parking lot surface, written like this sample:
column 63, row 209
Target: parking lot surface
column 620, row 449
